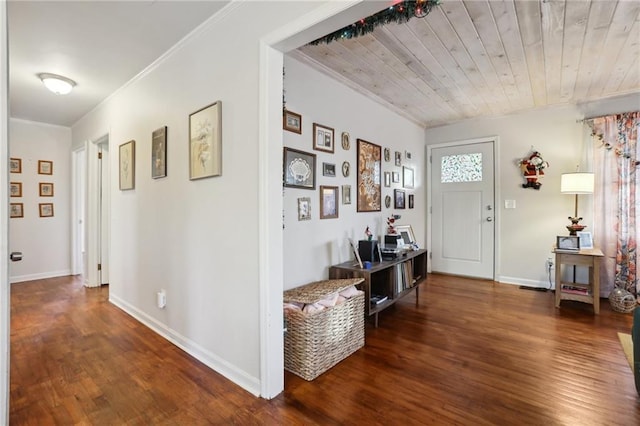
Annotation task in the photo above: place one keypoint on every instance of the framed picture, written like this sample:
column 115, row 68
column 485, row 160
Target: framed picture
column 568, row 242
column 398, row 195
column 127, row 165
column 292, row 121
column 407, row 177
column 406, row 232
column 15, row 165
column 328, row 202
column 387, row 179
column 299, row 169
column 585, row 240
column 328, row 169
column 356, row 253
column 346, row 142
column 16, row 210
column 346, row 194
column 15, row 189
column 45, row 167
column 46, row 209
column 369, row 176
column 46, row 189
column 395, row 177
column 304, row 208
column 398, row 156
column 410, row 201
column 205, row 142
column 387, row 201
column 323, row 138
column 346, row 168
column 387, row 155
column 159, row 153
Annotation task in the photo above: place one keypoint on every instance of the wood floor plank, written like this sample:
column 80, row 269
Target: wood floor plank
column 471, row 352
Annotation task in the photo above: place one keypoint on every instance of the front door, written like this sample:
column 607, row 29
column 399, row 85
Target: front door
column 462, row 201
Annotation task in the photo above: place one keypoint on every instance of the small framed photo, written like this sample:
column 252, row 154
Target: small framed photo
column 127, row 165
column 407, row 177
column 346, row 168
column 407, row 154
column 568, row 242
column 292, row 121
column 398, row 157
column 406, row 232
column 346, row 142
column 15, row 165
column 398, row 195
column 387, row 179
column 323, row 138
column 16, row 210
column 46, row 189
column 45, row 167
column 585, row 240
column 346, row 194
column 328, row 169
column 205, row 142
column 395, row 177
column 299, row 169
column 15, row 189
column 410, row 201
column 387, row 155
column 328, row 202
column 304, row 208
column 46, row 209
column 159, row 153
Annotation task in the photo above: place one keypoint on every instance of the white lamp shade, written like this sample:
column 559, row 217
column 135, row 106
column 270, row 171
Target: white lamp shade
column 57, row 84
column 577, row 183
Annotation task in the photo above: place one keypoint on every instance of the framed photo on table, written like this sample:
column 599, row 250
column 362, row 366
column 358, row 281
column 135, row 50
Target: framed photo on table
column 585, row 240
column 406, row 232
column 568, row 242
column 205, row 142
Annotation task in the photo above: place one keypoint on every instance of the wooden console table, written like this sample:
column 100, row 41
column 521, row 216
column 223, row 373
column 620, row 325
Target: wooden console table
column 586, row 293
column 391, row 279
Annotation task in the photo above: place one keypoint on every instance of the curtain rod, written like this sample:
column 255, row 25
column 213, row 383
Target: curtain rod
column 600, row 116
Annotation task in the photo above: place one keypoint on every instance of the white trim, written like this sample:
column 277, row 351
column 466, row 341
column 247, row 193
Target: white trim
column 40, row 123
column 495, row 140
column 221, row 366
column 525, row 282
column 40, row 276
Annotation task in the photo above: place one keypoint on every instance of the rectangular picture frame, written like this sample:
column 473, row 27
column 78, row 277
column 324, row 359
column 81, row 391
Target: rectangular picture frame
column 328, row 202
column 299, row 169
column 346, row 194
column 407, row 177
column 369, row 190
column 45, row 189
column 585, row 240
column 568, row 242
column 127, row 165
column 329, row 169
column 410, row 201
column 406, row 233
column 395, row 177
column 159, row 153
column 304, row 208
column 46, row 209
column 15, row 165
column 292, row 121
column 15, row 189
column 399, row 199
column 387, row 179
column 45, row 167
column 323, row 138
column 205, row 142
column 16, row 210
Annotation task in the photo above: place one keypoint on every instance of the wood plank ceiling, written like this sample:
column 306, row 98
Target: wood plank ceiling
column 490, row 57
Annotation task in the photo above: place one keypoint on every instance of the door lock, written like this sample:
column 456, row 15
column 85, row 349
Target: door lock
column 489, row 219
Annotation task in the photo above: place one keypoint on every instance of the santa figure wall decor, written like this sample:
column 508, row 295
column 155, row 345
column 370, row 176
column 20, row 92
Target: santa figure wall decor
column 532, row 169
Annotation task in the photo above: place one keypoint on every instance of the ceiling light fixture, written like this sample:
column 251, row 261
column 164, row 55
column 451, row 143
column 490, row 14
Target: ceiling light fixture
column 56, row 83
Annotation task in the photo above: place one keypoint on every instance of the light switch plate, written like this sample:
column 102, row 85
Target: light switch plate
column 509, row 204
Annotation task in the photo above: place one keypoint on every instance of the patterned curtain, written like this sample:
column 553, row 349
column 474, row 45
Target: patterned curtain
column 616, row 198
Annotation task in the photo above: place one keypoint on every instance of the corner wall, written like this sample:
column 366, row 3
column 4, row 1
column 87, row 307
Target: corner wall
column 44, row 241
column 312, row 246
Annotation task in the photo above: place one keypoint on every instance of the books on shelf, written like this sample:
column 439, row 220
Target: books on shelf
column 573, row 289
column 377, row 299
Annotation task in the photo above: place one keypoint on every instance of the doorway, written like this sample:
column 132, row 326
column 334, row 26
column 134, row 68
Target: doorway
column 463, row 216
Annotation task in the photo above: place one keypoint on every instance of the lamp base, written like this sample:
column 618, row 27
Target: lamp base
column 574, row 229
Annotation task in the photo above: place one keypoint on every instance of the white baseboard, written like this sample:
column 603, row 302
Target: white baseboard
column 525, row 282
column 40, row 276
column 231, row 372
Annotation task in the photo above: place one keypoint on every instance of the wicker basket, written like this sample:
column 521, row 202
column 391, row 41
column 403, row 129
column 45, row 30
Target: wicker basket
column 622, row 300
column 316, row 342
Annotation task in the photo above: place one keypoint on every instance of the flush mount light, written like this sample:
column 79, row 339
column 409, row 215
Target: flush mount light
column 56, row 83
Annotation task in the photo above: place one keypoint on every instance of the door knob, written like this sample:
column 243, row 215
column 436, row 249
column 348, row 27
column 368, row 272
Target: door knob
column 489, row 207
column 489, row 219
column 16, row 256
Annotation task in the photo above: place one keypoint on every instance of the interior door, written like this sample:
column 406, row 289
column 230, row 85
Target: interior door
column 462, row 204
column 103, row 214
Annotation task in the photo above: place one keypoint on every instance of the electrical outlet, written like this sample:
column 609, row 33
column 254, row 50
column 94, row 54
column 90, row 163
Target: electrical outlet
column 549, row 263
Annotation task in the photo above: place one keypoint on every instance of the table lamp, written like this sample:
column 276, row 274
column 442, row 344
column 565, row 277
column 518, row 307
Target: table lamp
column 576, row 183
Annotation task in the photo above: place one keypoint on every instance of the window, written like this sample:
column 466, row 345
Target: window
column 461, row 168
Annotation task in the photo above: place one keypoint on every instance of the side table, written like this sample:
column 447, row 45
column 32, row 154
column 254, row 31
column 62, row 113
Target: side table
column 586, row 293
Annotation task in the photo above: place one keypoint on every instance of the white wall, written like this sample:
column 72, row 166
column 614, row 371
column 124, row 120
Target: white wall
column 528, row 232
column 44, row 241
column 312, row 246
column 195, row 239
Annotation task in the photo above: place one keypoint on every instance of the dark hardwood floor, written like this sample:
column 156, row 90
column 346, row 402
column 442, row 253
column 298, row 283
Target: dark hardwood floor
column 472, row 352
